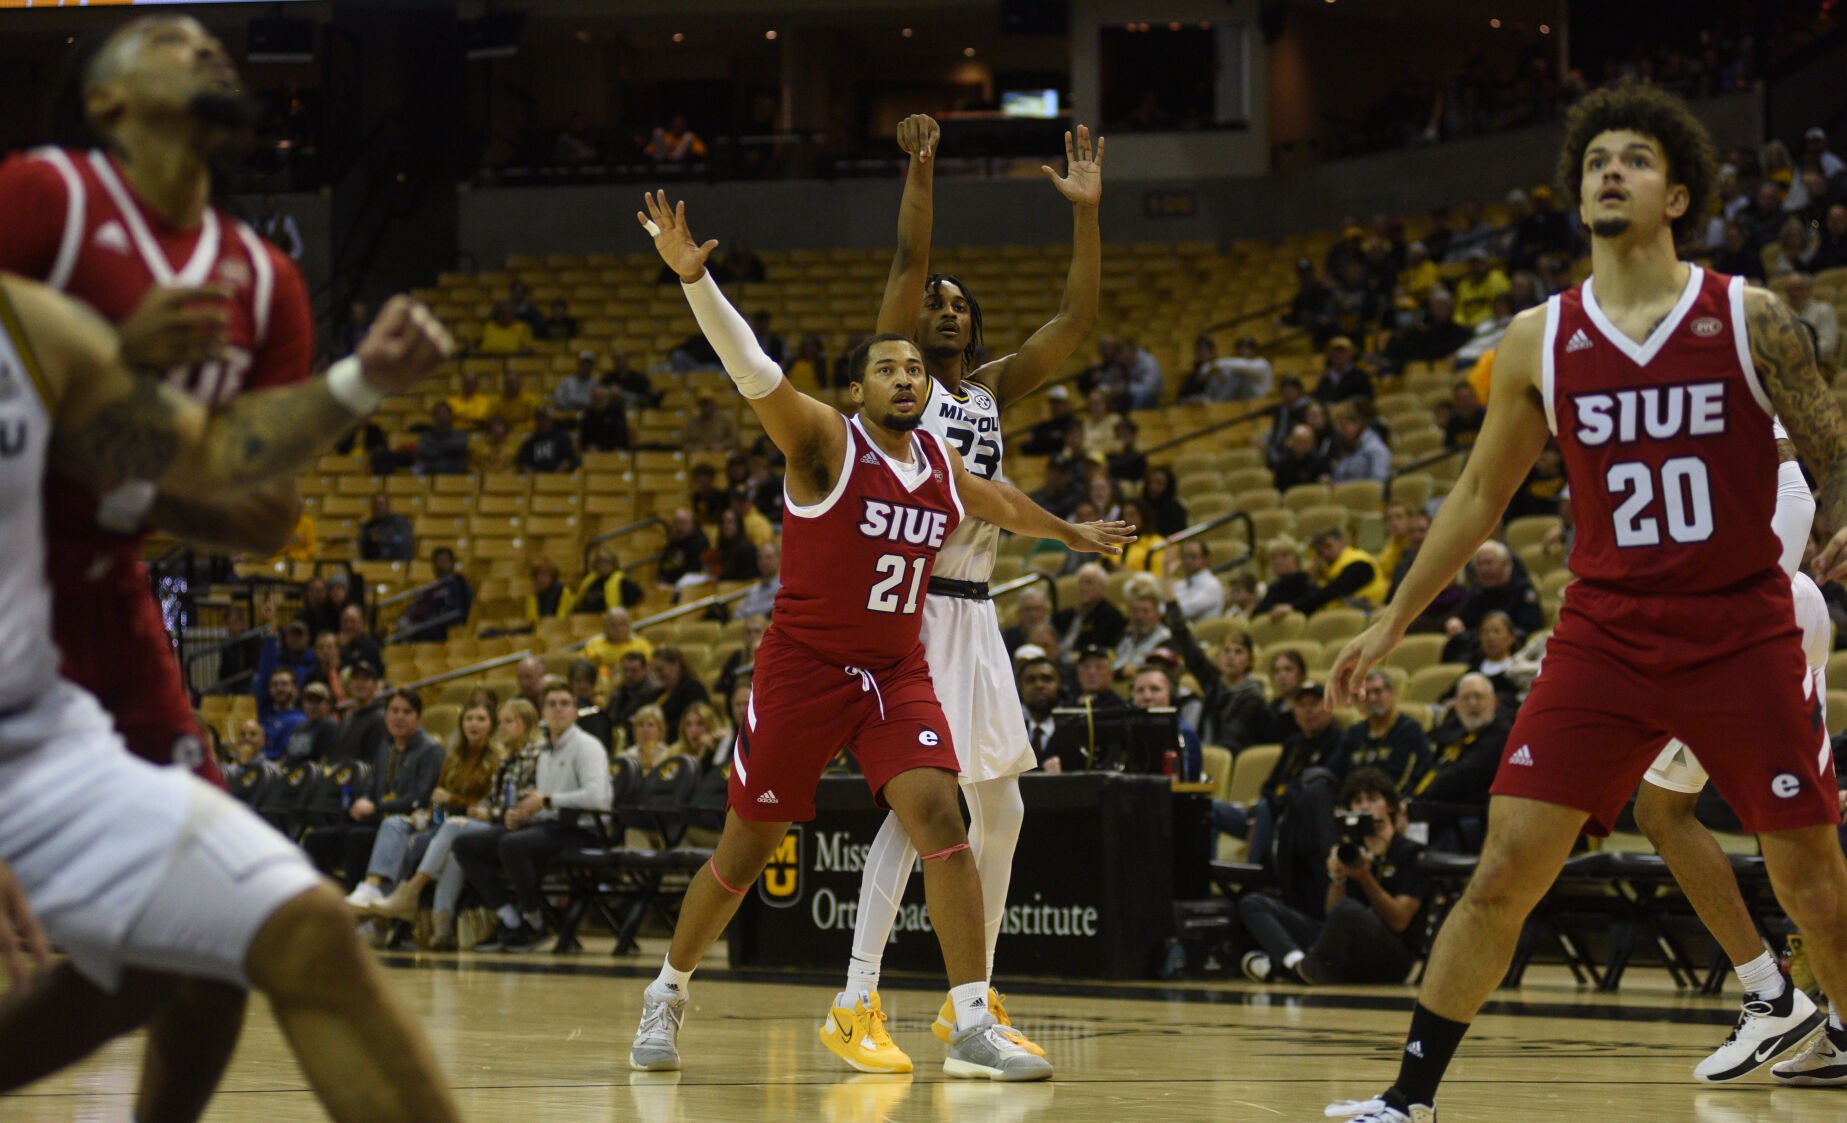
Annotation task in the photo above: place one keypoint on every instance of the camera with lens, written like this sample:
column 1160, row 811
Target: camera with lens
column 1354, row 827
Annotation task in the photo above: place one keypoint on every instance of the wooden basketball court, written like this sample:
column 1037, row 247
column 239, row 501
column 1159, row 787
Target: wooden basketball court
column 537, row 1037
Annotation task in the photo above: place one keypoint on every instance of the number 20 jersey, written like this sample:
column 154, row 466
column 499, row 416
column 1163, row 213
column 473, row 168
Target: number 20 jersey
column 970, row 422
column 1667, row 443
column 855, row 564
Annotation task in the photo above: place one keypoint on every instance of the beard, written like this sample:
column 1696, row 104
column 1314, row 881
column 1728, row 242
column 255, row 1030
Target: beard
column 226, row 109
column 940, row 350
column 1610, row 227
column 899, row 423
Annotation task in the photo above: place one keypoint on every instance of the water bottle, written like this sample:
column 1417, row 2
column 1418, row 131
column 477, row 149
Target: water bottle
column 1169, row 760
column 507, row 796
column 436, row 815
column 346, row 797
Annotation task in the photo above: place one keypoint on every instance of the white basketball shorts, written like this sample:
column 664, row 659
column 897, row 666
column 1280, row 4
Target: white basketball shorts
column 1678, row 770
column 131, row 865
column 974, row 682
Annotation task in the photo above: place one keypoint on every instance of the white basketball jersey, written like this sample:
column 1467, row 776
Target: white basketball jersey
column 28, row 659
column 970, row 421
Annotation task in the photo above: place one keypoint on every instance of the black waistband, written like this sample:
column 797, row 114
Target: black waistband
column 950, row 587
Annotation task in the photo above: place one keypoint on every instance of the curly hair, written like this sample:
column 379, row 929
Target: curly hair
column 1654, row 113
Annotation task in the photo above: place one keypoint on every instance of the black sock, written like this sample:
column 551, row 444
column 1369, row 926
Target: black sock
column 1428, row 1048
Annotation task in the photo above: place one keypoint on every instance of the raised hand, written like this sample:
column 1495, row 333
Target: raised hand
column 1082, row 182
column 174, row 327
column 673, row 238
column 1361, row 654
column 403, row 345
column 918, row 135
column 1099, row 537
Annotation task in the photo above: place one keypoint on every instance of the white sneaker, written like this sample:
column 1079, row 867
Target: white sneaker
column 1378, row 1111
column 657, row 1038
column 1256, row 966
column 1823, row 1064
column 988, row 1052
column 1764, row 1029
column 364, row 898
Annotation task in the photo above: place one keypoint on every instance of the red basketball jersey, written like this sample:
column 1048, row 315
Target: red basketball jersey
column 854, row 565
column 1666, row 443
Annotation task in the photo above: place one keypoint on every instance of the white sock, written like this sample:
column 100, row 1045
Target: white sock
column 995, row 813
column 846, row 998
column 971, row 1003
column 1293, row 958
column 1834, row 1018
column 881, row 888
column 671, row 979
column 508, row 915
column 1761, row 977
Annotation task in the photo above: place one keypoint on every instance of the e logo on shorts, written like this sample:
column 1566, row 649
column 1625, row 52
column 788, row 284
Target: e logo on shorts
column 929, row 737
column 1786, row 786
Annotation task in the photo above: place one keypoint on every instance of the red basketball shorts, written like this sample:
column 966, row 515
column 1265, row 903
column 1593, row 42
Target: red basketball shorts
column 805, row 709
column 1723, row 671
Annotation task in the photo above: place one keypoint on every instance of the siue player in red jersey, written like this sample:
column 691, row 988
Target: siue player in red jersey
column 870, row 501
column 1660, row 382
column 204, row 304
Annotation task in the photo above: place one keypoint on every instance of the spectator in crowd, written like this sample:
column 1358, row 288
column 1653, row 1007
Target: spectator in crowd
column 327, row 665
column 1763, row 220
column 1387, row 740
column 1543, row 229
column 1195, row 588
column 529, row 674
column 1047, row 438
column 355, row 642
column 1312, row 307
column 1466, row 750
column 515, row 404
column 1831, row 248
column 618, row 639
column 1133, row 378
column 1148, row 553
column 765, row 486
column 1498, row 588
column 1539, row 493
column 463, row 781
column 1358, row 304
column 1125, row 461
column 1232, row 705
column 726, row 751
column 1072, row 749
column 313, row 739
column 547, row 448
column 520, row 297
column 636, row 388
column 1105, row 497
column 1432, row 336
column 1092, row 620
column 1288, row 581
column 1099, row 424
column 1736, row 255
column 1312, row 741
column 740, row 263
column 470, row 409
column 1792, row 248
column 772, row 343
column 683, row 558
column 278, row 714
column 703, row 495
column 405, row 765
column 650, row 745
column 1144, row 631
column 733, row 557
column 1153, row 688
column 1343, row 377
column 237, row 658
column 386, row 536
column 1815, row 147
column 760, row 600
column 1419, row 277
column 809, row 367
column 633, row 690
column 604, row 424
column 316, row 611
column 680, row 688
column 505, row 333
column 1031, row 608
column 444, row 603
column 1302, row 461
column 1288, row 671
column 573, row 392
column 1493, row 650
column 1819, row 315
column 278, row 227
column 701, row 732
column 1359, row 453
column 1477, row 288
column 605, row 586
column 1465, row 417
column 709, row 429
column 1041, row 684
column 245, row 746
column 1291, row 405
column 1397, row 537
column 517, row 745
column 1375, row 898
column 1062, row 489
column 572, row 777
column 1160, row 494
column 675, row 143
column 287, row 647
column 364, row 727
column 585, row 684
column 549, row 598
column 1349, row 574
column 559, row 327
column 739, row 663
column 442, row 449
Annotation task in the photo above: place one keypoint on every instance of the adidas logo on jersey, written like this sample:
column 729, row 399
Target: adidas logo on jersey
column 1579, row 342
column 1523, row 756
column 111, row 236
column 768, row 797
column 870, row 458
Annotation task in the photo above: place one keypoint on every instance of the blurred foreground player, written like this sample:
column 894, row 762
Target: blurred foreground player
column 1660, row 382
column 870, row 503
column 138, row 870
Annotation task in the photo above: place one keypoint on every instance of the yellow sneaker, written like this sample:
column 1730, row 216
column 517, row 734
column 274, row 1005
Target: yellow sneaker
column 945, row 1026
column 859, row 1038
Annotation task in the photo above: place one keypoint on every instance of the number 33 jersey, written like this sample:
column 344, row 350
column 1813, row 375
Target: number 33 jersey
column 970, row 422
column 855, row 564
column 1667, row 443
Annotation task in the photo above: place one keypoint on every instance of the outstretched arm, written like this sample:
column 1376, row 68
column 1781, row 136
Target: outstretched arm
column 1017, row 375
column 809, row 432
column 1783, row 353
column 1009, row 508
column 256, row 520
column 910, row 262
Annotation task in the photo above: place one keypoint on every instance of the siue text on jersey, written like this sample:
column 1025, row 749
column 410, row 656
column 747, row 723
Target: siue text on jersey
column 1659, row 413
column 897, row 522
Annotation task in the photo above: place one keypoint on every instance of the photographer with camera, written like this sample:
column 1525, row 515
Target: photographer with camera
column 1375, row 900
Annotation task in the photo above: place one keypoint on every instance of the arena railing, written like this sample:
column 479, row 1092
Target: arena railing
column 671, row 614
column 493, row 664
column 638, row 525
column 1418, row 465
column 1212, row 524
column 1026, row 581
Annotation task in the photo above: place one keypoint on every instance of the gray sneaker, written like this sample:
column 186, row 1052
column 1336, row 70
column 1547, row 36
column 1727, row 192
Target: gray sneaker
column 983, row 1052
column 657, row 1039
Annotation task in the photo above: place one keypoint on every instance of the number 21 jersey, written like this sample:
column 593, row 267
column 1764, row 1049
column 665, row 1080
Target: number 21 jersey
column 854, row 565
column 1667, row 443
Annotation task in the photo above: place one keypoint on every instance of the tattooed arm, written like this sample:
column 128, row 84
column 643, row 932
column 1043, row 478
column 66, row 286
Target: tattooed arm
column 255, row 520
column 1783, row 353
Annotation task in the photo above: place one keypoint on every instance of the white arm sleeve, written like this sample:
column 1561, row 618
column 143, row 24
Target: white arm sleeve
column 1795, row 514
column 755, row 373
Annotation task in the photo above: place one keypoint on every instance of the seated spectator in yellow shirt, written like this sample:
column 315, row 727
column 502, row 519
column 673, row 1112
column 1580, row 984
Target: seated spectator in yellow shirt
column 471, row 408
column 505, row 334
column 550, row 598
column 1148, row 552
column 301, row 545
column 515, row 404
column 496, row 448
column 617, row 640
column 1476, row 289
column 709, row 429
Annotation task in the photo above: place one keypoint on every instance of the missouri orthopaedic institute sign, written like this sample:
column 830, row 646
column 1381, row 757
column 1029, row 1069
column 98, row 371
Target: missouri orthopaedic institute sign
column 1092, row 883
